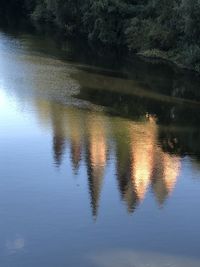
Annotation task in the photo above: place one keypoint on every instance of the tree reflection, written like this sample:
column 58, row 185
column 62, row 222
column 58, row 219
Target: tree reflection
column 141, row 161
column 96, row 149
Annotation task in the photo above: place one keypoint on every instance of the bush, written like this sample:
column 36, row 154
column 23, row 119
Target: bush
column 190, row 55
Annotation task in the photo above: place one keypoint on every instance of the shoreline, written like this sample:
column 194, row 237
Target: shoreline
column 150, row 55
column 166, row 60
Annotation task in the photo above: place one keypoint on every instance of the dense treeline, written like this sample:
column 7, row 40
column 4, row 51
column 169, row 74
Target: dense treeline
column 167, row 28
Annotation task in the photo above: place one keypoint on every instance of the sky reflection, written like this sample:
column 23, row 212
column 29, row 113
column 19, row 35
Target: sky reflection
column 90, row 171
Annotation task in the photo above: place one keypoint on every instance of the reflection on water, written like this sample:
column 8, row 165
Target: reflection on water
column 15, row 245
column 94, row 138
column 129, row 258
column 95, row 159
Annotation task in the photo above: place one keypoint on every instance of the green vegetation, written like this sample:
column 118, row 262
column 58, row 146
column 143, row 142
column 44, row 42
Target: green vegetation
column 169, row 29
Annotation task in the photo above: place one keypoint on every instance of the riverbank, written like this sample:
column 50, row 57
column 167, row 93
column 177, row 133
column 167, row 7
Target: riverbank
column 169, row 58
column 167, row 30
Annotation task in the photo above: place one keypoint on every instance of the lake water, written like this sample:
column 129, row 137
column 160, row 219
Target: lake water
column 99, row 158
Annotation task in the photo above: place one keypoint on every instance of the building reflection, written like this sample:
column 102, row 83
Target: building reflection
column 141, row 163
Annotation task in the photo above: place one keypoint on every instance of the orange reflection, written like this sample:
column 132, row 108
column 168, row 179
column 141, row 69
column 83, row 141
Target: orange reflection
column 143, row 144
column 140, row 161
column 97, row 155
column 171, row 171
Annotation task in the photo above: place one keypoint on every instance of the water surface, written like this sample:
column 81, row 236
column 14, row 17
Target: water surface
column 100, row 159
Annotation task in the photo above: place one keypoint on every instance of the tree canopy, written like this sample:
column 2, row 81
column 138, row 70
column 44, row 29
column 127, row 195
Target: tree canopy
column 167, row 28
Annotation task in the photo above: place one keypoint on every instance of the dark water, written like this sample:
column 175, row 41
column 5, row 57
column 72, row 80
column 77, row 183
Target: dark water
column 99, row 158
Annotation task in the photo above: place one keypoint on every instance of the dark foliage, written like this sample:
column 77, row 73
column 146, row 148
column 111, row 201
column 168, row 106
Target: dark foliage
column 167, row 28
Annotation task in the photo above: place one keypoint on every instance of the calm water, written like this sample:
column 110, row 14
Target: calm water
column 99, row 160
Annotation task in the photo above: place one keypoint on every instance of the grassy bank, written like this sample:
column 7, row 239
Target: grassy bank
column 173, row 57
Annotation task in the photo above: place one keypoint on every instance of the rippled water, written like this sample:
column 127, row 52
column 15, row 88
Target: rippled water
column 99, row 161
